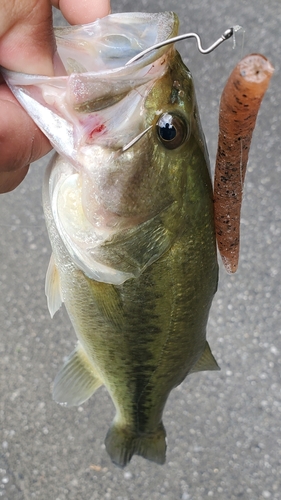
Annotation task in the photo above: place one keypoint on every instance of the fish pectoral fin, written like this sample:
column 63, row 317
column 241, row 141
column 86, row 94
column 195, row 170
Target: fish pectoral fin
column 205, row 362
column 52, row 287
column 121, row 444
column 77, row 380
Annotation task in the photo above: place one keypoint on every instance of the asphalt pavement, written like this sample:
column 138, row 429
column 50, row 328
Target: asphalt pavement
column 224, row 433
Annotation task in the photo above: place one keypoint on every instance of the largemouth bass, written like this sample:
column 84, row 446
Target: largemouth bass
column 129, row 210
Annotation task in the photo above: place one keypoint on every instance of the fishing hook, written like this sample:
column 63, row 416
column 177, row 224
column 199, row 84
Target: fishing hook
column 136, row 139
column 225, row 36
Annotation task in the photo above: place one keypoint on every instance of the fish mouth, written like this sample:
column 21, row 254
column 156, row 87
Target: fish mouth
column 80, row 105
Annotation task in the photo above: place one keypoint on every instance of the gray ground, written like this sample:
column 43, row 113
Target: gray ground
column 224, row 427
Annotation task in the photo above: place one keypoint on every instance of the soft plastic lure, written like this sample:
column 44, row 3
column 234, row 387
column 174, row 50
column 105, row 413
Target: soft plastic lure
column 239, row 107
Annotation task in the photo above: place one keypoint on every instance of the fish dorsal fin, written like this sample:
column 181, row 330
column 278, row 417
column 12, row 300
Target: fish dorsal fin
column 52, row 287
column 77, row 380
column 205, row 362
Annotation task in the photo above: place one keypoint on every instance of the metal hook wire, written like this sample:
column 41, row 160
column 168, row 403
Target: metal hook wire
column 225, row 36
column 136, row 139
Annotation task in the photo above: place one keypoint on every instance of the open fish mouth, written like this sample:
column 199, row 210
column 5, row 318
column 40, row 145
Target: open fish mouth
column 76, row 107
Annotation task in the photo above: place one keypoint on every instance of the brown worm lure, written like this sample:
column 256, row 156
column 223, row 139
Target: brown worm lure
column 239, row 107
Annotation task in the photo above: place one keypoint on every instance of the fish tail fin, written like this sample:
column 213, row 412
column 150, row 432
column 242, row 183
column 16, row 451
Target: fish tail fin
column 121, row 444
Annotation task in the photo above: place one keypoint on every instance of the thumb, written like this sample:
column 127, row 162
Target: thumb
column 26, row 36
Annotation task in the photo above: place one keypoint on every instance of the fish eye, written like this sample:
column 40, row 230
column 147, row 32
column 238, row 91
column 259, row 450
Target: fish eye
column 172, row 130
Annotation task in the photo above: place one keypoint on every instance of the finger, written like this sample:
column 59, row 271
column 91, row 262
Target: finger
column 10, row 180
column 21, row 142
column 26, row 36
column 82, row 11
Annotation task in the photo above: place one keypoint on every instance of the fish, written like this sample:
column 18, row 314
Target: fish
column 128, row 204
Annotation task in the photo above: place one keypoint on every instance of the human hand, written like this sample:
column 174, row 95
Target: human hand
column 27, row 45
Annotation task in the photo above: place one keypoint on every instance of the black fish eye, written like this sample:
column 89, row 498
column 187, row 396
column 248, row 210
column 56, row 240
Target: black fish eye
column 172, row 130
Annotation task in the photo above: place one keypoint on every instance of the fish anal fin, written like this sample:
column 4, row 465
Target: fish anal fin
column 121, row 444
column 205, row 362
column 52, row 287
column 77, row 380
